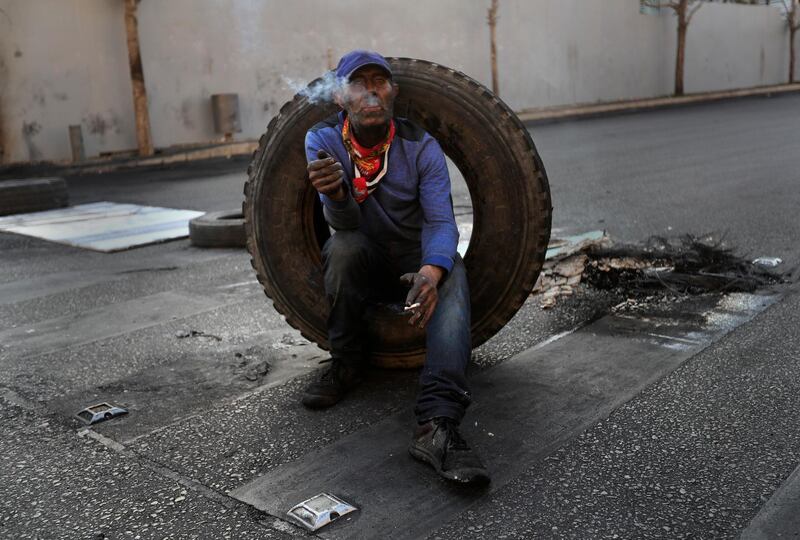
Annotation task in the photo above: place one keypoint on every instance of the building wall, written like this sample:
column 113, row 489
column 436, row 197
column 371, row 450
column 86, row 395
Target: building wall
column 733, row 46
column 64, row 62
column 192, row 49
column 579, row 51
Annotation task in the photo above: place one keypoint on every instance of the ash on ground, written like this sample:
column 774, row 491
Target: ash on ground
column 658, row 270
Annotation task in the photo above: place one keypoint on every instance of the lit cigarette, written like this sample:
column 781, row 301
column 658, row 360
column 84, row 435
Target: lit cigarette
column 412, row 306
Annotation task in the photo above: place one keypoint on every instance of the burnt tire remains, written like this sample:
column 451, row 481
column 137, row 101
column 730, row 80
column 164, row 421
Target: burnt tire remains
column 499, row 162
column 32, row 195
column 218, row 229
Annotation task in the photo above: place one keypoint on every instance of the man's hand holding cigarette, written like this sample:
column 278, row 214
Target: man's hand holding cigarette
column 423, row 296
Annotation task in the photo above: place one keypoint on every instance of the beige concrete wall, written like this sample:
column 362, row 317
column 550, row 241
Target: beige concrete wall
column 196, row 48
column 62, row 63
column 65, row 61
column 733, row 46
column 579, row 51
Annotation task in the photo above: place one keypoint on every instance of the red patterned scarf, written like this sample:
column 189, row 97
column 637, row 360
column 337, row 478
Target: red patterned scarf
column 369, row 162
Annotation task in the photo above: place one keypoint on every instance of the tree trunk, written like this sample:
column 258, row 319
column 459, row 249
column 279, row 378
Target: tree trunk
column 2, row 142
column 680, row 59
column 793, row 26
column 3, row 84
column 493, row 46
column 680, row 56
column 792, row 31
column 137, row 81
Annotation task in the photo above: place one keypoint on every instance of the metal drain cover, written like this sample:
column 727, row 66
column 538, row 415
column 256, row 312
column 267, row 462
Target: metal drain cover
column 318, row 511
column 100, row 412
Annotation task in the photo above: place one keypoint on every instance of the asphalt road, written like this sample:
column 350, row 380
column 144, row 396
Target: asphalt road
column 695, row 452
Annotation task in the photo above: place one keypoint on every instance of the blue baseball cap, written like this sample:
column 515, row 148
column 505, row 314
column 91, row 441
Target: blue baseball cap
column 359, row 58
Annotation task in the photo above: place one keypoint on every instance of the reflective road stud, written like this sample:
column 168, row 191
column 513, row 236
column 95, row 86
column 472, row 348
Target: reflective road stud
column 318, row 511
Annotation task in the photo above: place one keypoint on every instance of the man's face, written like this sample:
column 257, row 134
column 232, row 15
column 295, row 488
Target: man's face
column 368, row 97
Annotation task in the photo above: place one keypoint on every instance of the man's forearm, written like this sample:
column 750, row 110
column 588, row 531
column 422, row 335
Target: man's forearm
column 339, row 194
column 342, row 215
column 433, row 273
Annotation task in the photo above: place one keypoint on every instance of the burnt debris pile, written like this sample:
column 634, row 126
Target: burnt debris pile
column 659, row 267
column 686, row 265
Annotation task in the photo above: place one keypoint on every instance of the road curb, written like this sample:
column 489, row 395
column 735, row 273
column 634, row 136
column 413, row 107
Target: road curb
column 170, row 157
column 219, row 151
column 571, row 112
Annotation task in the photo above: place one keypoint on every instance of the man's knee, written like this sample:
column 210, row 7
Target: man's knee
column 453, row 312
column 455, row 287
column 346, row 250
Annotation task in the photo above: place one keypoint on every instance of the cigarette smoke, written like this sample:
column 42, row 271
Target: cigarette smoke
column 320, row 91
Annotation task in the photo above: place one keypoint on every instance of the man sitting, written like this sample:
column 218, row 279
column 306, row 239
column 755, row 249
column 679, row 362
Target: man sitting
column 385, row 190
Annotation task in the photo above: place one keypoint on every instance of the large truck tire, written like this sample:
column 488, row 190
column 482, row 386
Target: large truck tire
column 502, row 169
column 32, row 195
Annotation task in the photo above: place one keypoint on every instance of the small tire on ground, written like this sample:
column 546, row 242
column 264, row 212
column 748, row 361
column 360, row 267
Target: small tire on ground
column 507, row 184
column 32, row 195
column 218, row 229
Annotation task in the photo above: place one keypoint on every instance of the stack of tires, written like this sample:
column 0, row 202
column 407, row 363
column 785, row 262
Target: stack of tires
column 32, row 195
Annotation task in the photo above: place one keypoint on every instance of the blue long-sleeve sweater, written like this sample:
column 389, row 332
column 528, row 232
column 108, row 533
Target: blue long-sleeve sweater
column 411, row 208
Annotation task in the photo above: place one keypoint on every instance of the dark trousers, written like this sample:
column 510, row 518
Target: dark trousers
column 358, row 272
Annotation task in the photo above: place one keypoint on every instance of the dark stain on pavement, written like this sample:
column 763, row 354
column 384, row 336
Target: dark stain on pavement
column 161, row 394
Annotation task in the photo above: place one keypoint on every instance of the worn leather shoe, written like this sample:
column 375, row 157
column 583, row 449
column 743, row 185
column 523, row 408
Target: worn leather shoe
column 334, row 384
column 439, row 444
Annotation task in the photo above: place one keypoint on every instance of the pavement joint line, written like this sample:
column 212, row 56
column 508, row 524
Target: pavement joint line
column 555, row 337
column 675, row 338
column 102, row 439
column 239, row 284
column 203, row 490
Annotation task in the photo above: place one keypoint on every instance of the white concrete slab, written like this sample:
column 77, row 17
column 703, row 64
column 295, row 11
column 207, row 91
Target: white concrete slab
column 103, row 226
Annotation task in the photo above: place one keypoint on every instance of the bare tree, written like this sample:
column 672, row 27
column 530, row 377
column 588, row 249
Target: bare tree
column 684, row 10
column 137, row 80
column 3, row 83
column 492, row 19
column 793, row 21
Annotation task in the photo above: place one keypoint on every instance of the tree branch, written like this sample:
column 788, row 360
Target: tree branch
column 7, row 17
column 692, row 12
column 791, row 14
